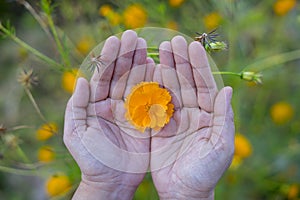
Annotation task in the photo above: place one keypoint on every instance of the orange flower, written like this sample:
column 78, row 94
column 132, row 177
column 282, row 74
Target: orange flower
column 175, row 3
column 282, row 7
column 46, row 154
column 69, row 79
column 243, row 149
column 104, row 10
column 46, row 131
column 281, row 112
column 84, row 45
column 212, row 20
column 58, row 184
column 134, row 16
column 148, row 106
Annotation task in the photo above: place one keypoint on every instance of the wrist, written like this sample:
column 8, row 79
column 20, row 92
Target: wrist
column 187, row 195
column 97, row 190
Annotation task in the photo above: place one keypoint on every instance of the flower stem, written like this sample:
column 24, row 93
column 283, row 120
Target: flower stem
column 17, row 171
column 36, row 107
column 227, row 73
column 31, row 49
column 22, row 154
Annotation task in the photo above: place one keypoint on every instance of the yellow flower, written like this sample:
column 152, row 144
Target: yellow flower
column 172, row 25
column 114, row 18
column 46, row 154
column 69, row 79
column 281, row 112
column 84, row 45
column 243, row 149
column 134, row 16
column 46, row 131
column 148, row 106
column 282, row 7
column 104, row 10
column 212, row 20
column 57, row 184
column 175, row 3
column 293, row 191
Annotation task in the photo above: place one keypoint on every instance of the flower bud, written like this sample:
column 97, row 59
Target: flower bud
column 252, row 76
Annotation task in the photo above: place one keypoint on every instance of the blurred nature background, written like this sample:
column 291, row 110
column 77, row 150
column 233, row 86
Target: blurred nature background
column 43, row 44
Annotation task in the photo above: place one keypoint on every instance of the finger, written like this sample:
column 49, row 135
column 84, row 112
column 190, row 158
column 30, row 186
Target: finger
column 75, row 116
column 204, row 81
column 223, row 126
column 100, row 82
column 168, row 73
column 184, row 72
column 149, row 70
column 123, row 64
column 138, row 70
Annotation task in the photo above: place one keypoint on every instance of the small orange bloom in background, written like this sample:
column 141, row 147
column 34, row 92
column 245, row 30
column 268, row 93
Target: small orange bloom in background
column 57, row 184
column 172, row 25
column 148, row 106
column 46, row 131
column 282, row 7
column 46, row 154
column 69, row 79
column 134, row 16
column 175, row 3
column 281, row 112
column 243, row 149
column 84, row 45
column 104, row 10
column 293, row 192
column 212, row 20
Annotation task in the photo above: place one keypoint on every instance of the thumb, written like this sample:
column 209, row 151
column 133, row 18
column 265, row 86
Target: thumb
column 76, row 114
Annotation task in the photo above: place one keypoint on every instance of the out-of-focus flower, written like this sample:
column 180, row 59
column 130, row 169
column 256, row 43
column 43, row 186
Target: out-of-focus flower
column 46, row 154
column 69, row 79
column 104, row 10
column 293, row 192
column 46, row 131
column 243, row 149
column 11, row 140
column 27, row 78
column 84, row 45
column 176, row 3
column 134, row 16
column 252, row 77
column 172, row 25
column 212, row 20
column 58, row 184
column 281, row 112
column 148, row 106
column 282, row 7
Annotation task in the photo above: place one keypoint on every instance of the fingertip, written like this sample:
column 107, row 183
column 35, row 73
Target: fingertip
column 228, row 91
column 195, row 46
column 128, row 34
column 165, row 46
column 141, row 43
column 178, row 40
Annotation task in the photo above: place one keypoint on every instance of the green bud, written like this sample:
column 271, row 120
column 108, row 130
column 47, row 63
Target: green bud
column 252, row 76
column 215, row 46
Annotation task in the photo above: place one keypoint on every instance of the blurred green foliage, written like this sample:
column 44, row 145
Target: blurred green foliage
column 254, row 32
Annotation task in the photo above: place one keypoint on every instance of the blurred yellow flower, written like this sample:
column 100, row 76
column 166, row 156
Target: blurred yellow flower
column 148, row 106
column 104, row 10
column 85, row 44
column 69, row 79
column 293, row 192
column 212, row 20
column 114, row 18
column 175, row 3
column 134, row 16
column 46, row 154
column 57, row 184
column 172, row 25
column 281, row 112
column 46, row 131
column 243, row 149
column 282, row 7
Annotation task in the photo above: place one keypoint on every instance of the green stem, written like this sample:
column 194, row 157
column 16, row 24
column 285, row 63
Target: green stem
column 152, row 48
column 17, row 171
column 153, row 54
column 227, row 73
column 274, row 60
column 22, row 154
column 31, row 49
column 36, row 107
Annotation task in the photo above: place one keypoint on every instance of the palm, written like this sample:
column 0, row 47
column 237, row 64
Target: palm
column 190, row 154
column 96, row 132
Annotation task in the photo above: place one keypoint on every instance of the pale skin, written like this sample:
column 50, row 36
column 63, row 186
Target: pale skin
column 202, row 122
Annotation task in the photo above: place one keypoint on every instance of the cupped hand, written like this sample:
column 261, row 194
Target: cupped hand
column 112, row 155
column 190, row 154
